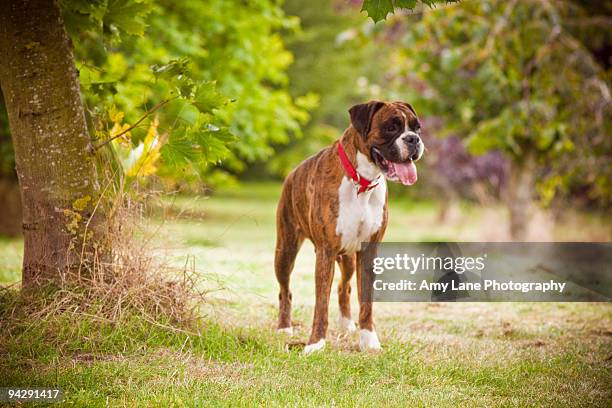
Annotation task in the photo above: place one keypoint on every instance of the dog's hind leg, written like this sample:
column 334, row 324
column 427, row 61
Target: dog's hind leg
column 347, row 267
column 288, row 243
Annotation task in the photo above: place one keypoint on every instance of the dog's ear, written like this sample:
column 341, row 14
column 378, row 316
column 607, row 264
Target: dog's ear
column 362, row 114
column 409, row 106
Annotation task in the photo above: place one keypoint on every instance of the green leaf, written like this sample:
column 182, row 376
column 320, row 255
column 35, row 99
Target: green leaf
column 82, row 15
column 93, row 8
column 173, row 68
column 377, row 9
column 185, row 87
column 127, row 15
column 213, row 145
column 179, row 150
column 208, row 98
column 408, row 4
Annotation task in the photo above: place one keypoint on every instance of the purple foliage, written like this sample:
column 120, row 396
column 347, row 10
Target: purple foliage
column 461, row 170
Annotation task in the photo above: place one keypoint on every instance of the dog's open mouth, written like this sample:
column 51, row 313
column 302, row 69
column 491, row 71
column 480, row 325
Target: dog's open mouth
column 405, row 173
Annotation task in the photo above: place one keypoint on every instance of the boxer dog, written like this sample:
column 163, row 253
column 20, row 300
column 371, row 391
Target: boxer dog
column 338, row 199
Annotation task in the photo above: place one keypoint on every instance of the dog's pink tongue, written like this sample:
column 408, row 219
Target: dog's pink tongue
column 406, row 172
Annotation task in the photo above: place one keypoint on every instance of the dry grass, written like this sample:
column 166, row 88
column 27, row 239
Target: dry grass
column 134, row 279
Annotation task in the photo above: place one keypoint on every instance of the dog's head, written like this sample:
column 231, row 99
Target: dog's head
column 389, row 135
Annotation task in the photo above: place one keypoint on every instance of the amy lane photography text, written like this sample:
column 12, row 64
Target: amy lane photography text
column 485, row 285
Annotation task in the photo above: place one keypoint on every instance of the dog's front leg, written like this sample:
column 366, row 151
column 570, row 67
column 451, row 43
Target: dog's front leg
column 324, row 275
column 368, row 339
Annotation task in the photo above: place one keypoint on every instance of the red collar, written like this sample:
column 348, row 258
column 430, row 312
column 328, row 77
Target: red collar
column 362, row 183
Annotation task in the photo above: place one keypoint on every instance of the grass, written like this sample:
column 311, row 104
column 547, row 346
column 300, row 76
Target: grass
column 435, row 354
column 11, row 250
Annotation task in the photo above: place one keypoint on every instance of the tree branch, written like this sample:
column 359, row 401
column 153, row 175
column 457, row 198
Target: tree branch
column 143, row 117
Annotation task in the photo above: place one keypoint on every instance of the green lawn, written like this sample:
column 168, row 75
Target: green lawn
column 434, row 354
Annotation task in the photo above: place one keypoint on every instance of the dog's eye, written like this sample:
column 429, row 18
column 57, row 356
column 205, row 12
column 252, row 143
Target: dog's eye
column 392, row 128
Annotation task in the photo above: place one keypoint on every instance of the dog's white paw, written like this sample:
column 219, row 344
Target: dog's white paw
column 346, row 324
column 311, row 348
column 286, row 330
column 368, row 340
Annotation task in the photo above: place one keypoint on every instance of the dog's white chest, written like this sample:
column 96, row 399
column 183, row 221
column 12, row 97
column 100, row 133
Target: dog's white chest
column 359, row 216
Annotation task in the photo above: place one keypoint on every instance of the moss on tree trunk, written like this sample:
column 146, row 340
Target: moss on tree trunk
column 55, row 166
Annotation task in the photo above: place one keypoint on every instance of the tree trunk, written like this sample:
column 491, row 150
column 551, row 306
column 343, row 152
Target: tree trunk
column 55, row 166
column 520, row 197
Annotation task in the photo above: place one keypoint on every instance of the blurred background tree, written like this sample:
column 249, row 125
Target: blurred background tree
column 514, row 77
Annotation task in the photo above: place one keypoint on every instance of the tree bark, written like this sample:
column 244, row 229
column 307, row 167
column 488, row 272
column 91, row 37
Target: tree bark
column 55, row 166
column 520, row 197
